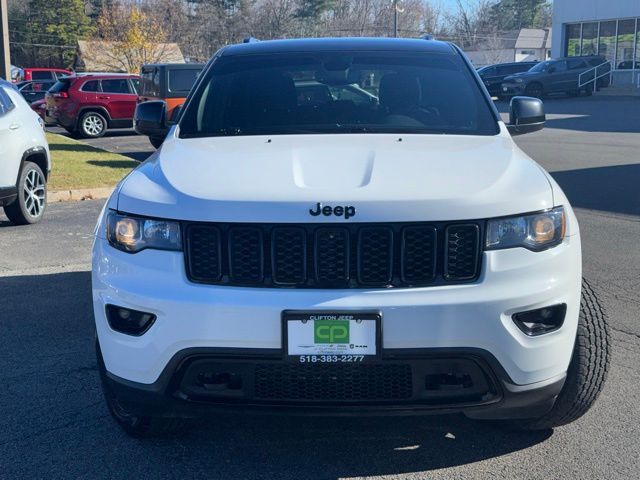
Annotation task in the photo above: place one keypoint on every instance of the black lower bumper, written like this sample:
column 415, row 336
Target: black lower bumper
column 198, row 382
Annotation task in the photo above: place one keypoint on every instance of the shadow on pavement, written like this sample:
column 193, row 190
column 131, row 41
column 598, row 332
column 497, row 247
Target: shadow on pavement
column 590, row 114
column 52, row 406
column 613, row 189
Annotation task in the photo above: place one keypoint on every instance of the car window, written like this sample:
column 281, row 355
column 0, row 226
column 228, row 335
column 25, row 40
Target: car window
column 313, row 94
column 42, row 76
column 136, row 84
column 560, row 66
column 116, row 85
column 260, row 94
column 150, row 82
column 6, row 104
column 60, row 86
column 488, row 72
column 576, row 63
column 182, row 80
column 91, row 86
column 352, row 93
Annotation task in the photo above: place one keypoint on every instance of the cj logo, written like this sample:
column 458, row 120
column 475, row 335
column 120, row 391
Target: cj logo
column 331, row 331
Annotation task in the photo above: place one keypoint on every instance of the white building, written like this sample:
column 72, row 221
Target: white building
column 528, row 44
column 610, row 28
column 533, row 44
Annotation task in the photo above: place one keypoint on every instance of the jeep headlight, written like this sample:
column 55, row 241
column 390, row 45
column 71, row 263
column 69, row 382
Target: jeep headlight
column 132, row 234
column 536, row 231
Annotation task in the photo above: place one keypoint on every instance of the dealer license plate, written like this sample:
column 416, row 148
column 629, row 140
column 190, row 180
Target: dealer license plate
column 322, row 337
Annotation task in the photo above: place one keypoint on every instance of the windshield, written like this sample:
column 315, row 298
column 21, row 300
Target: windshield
column 329, row 92
column 541, row 67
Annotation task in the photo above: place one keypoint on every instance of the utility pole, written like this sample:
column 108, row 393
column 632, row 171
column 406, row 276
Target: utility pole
column 395, row 18
column 5, row 60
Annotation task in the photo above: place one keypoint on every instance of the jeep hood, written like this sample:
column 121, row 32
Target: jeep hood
column 385, row 177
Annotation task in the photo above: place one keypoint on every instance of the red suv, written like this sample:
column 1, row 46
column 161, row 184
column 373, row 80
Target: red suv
column 88, row 105
column 42, row 74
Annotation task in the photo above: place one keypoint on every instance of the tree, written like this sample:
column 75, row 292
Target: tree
column 136, row 37
column 47, row 31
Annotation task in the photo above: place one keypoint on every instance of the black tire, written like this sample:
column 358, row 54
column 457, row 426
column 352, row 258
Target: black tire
column 134, row 425
column 156, row 141
column 92, row 125
column 588, row 368
column 535, row 90
column 29, row 206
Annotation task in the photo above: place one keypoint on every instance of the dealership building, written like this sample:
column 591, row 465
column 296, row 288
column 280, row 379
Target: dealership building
column 610, row 28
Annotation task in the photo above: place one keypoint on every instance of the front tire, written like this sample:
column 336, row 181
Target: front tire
column 29, row 206
column 92, row 125
column 136, row 426
column 588, row 368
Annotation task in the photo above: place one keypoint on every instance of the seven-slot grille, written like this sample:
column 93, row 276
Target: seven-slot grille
column 329, row 256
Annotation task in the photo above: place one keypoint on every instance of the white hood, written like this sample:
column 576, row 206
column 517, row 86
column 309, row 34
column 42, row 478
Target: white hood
column 385, row 177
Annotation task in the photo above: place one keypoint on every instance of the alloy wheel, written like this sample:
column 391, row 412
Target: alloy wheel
column 93, row 125
column 34, row 193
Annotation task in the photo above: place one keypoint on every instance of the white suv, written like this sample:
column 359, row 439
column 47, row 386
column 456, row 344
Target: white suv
column 24, row 158
column 343, row 226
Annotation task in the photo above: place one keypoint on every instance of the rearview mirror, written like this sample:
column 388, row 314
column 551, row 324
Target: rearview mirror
column 150, row 119
column 526, row 115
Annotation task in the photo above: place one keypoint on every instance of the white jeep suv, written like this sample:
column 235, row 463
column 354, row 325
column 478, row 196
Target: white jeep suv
column 343, row 226
column 24, row 158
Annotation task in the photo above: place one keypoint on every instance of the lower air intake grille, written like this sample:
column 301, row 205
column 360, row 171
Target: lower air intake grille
column 327, row 382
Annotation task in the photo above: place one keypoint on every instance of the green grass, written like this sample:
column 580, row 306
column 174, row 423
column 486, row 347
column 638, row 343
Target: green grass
column 78, row 165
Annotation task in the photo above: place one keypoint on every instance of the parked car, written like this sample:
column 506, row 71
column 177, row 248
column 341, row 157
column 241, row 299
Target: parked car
column 556, row 76
column 398, row 256
column 54, row 74
column 493, row 75
column 33, row 90
column 89, row 105
column 40, row 107
column 26, row 163
column 169, row 82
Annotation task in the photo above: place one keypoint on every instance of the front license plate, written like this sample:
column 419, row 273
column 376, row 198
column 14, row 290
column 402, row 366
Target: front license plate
column 322, row 337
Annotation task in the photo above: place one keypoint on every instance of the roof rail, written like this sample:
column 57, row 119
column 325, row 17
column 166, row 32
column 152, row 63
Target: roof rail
column 250, row 40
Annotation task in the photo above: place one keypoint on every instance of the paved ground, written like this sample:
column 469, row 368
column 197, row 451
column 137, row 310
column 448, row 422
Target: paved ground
column 54, row 424
column 122, row 141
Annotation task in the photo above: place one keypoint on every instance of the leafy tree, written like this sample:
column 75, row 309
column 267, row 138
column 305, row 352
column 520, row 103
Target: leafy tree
column 137, row 37
column 48, row 30
column 517, row 14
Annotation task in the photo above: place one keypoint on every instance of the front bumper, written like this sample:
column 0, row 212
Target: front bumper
column 512, row 89
column 198, row 382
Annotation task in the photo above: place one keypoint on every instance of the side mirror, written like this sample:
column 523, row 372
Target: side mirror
column 526, row 115
column 150, row 119
column 551, row 69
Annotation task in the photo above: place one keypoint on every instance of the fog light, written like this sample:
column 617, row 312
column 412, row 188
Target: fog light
column 130, row 322
column 541, row 320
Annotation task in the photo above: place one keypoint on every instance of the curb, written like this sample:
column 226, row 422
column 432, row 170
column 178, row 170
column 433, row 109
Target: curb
column 79, row 195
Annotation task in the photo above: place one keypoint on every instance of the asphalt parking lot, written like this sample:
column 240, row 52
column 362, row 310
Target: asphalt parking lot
column 53, row 423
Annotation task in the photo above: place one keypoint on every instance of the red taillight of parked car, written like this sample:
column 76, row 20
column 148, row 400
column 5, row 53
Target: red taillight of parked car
column 60, row 95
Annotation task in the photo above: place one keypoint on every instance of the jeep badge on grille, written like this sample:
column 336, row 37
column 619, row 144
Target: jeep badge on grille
column 347, row 211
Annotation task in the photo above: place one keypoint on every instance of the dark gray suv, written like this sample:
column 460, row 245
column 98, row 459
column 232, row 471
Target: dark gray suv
column 557, row 76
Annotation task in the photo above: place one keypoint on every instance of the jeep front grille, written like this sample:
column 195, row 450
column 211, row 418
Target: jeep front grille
column 332, row 256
